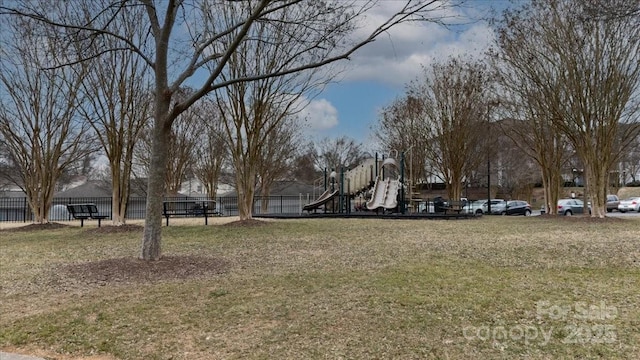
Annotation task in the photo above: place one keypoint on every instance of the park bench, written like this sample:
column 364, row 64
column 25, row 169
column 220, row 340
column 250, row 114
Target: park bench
column 189, row 208
column 83, row 212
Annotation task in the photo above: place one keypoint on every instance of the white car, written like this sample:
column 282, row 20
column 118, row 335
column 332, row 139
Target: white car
column 630, row 204
column 479, row 207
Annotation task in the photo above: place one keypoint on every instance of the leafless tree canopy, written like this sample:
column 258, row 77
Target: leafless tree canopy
column 586, row 71
column 400, row 127
column 211, row 151
column 453, row 98
column 118, row 106
column 339, row 153
column 38, row 114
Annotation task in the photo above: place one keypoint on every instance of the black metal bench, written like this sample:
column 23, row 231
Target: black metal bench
column 83, row 212
column 189, row 208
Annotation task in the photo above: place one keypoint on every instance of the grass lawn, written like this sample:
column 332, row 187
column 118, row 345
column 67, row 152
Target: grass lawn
column 491, row 288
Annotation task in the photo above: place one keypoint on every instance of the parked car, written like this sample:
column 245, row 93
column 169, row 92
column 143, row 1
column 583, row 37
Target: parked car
column 474, row 207
column 630, row 204
column 612, row 203
column 512, row 207
column 478, row 207
column 495, row 204
column 569, row 207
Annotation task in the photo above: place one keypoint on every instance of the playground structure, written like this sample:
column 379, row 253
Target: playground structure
column 385, row 189
column 377, row 179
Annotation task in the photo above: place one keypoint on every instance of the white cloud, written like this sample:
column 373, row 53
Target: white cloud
column 320, row 114
column 398, row 58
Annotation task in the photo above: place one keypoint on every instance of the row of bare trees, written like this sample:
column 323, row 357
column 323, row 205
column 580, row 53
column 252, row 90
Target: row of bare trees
column 572, row 78
column 241, row 51
column 562, row 79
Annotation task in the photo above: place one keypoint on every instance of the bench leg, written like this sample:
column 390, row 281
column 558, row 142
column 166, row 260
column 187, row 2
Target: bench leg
column 81, row 222
column 99, row 222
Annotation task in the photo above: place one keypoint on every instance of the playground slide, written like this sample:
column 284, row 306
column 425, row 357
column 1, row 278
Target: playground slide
column 384, row 194
column 323, row 199
column 391, row 200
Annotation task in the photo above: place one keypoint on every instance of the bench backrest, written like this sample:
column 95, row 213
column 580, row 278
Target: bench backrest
column 82, row 209
column 188, row 206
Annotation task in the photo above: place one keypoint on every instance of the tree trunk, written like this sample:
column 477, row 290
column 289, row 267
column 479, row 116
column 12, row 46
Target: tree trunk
column 152, row 236
column 264, row 203
column 118, row 197
column 119, row 207
column 598, row 184
column 551, row 183
column 246, row 188
column 245, row 204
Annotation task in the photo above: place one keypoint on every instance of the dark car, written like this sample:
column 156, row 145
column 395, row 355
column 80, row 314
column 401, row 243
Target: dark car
column 513, row 207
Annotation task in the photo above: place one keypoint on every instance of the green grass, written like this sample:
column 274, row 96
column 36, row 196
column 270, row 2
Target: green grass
column 337, row 288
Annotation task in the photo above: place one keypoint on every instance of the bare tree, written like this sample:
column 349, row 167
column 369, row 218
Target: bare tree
column 211, row 152
column 339, row 153
column 259, row 115
column 38, row 112
column 453, row 97
column 304, row 168
column 515, row 169
column 185, row 137
column 630, row 162
column 611, row 10
column 207, row 41
column 119, row 105
column 400, row 128
column 588, row 71
column 528, row 116
column 278, row 153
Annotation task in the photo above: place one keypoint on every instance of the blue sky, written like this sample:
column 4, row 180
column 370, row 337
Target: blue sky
column 377, row 74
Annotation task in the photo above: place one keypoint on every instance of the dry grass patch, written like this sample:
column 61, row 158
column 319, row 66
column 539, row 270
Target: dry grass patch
column 325, row 288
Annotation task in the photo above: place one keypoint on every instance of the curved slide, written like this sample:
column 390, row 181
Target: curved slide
column 323, row 199
column 385, row 194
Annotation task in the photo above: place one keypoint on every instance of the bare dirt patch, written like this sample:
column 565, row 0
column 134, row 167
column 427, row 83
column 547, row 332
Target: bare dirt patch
column 132, row 270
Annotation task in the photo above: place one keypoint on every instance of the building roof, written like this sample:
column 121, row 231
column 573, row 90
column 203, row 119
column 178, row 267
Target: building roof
column 282, row 188
column 90, row 188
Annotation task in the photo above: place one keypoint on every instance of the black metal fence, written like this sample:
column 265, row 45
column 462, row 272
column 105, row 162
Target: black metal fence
column 16, row 209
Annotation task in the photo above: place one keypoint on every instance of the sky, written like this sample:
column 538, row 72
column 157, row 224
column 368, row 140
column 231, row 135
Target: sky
column 377, row 74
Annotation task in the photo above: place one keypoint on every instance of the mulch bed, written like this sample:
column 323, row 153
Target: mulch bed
column 246, row 223
column 36, row 227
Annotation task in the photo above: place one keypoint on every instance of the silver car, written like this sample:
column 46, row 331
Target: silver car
column 630, row 204
column 570, row 207
column 479, row 207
